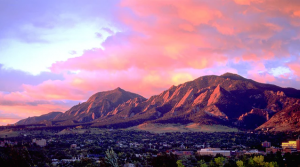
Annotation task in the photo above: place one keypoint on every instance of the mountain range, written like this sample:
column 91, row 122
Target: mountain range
column 229, row 100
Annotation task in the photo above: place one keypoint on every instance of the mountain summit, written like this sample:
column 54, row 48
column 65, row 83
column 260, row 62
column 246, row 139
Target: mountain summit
column 98, row 105
column 233, row 76
column 229, row 100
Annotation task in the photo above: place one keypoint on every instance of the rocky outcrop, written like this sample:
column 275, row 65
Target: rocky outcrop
column 287, row 119
column 254, row 118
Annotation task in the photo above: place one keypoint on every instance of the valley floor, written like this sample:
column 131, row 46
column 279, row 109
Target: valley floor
column 192, row 127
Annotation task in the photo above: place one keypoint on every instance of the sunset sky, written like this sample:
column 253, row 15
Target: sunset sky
column 54, row 54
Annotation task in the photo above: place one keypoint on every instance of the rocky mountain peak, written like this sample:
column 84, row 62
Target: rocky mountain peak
column 119, row 89
column 98, row 105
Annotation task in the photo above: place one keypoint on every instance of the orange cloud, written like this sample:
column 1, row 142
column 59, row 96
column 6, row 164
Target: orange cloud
column 24, row 111
column 19, row 105
column 295, row 67
column 5, row 121
column 163, row 37
column 180, row 78
column 164, row 43
column 85, row 83
column 171, row 35
column 14, row 107
column 247, row 2
column 297, row 13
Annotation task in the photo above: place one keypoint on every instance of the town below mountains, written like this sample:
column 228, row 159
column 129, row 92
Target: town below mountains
column 86, row 146
column 209, row 103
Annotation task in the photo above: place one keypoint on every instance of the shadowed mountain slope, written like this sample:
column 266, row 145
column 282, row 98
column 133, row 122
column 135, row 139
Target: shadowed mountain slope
column 37, row 119
column 285, row 120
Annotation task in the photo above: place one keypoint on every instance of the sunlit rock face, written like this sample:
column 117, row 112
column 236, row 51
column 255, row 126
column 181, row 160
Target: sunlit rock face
column 287, row 119
column 228, row 99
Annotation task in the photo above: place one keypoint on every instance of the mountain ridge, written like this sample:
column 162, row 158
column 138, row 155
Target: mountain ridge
column 229, row 100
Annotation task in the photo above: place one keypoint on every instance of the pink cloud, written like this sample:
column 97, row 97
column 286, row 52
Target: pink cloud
column 295, row 67
column 259, row 73
column 164, row 43
column 262, row 77
column 52, row 90
column 18, row 105
column 81, row 86
column 142, row 81
column 24, row 111
column 169, row 35
column 163, row 37
column 125, row 51
column 245, row 2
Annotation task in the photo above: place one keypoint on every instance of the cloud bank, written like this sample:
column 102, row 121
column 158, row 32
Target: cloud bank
column 149, row 46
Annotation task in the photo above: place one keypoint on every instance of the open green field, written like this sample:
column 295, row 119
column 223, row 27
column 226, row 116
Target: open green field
column 9, row 133
column 192, row 127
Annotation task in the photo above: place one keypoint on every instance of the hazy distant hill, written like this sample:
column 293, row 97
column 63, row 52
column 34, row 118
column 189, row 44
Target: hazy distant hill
column 229, row 100
column 37, row 119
